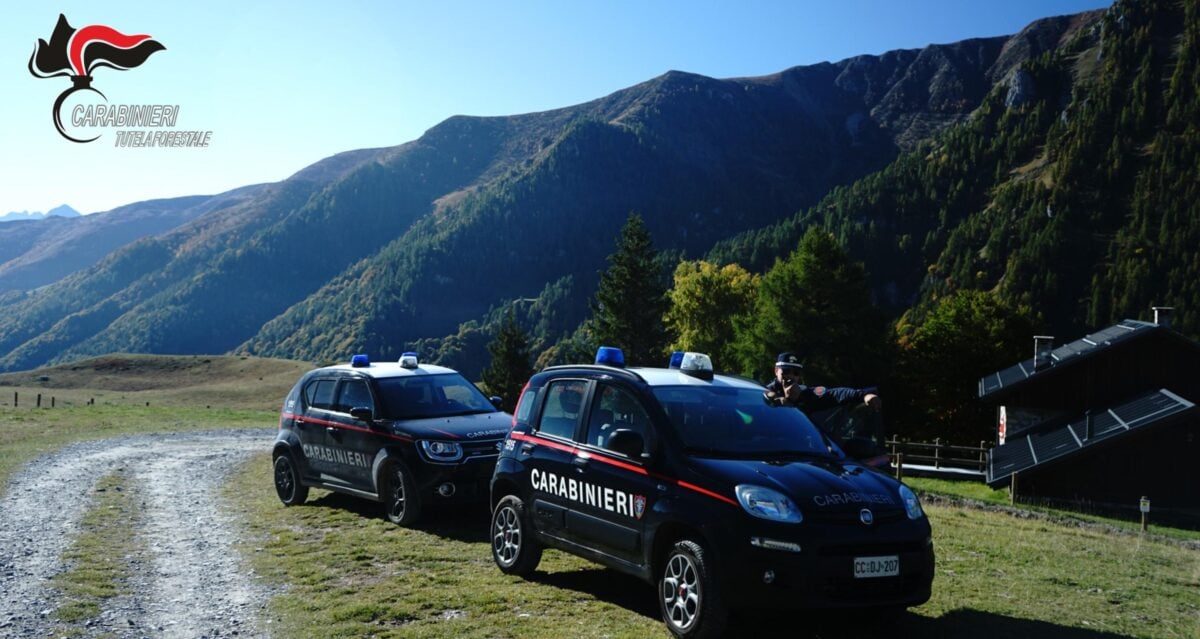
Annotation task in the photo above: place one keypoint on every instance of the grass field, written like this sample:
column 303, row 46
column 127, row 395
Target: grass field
column 349, row 572
column 342, row 570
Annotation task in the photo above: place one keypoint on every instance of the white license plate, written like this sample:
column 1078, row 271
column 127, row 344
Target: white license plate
column 865, row 567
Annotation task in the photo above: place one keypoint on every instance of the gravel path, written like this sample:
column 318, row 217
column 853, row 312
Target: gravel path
column 187, row 579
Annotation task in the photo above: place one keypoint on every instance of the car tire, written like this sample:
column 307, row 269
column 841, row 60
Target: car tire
column 398, row 492
column 287, row 481
column 514, row 548
column 689, row 596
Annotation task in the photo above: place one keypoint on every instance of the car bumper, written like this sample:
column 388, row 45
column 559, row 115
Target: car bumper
column 470, row 481
column 821, row 574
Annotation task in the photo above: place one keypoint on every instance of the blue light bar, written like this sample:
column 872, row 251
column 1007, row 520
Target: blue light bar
column 610, row 356
column 676, row 359
column 408, row 360
column 359, row 361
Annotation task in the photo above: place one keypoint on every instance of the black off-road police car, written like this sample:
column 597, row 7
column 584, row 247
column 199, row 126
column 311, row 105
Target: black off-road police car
column 691, row 481
column 399, row 433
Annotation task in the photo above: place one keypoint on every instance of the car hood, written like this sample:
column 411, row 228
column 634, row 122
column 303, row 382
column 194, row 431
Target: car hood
column 482, row 426
column 829, row 486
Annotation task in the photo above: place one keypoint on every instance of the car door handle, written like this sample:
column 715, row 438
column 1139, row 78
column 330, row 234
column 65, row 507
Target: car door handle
column 527, row 447
column 580, row 463
column 332, row 431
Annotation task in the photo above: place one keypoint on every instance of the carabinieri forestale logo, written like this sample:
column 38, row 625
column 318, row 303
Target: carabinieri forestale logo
column 77, row 53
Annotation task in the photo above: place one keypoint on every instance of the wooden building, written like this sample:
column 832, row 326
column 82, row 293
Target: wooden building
column 1101, row 422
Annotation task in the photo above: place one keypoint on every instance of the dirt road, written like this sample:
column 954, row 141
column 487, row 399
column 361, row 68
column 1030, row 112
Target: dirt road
column 187, row 578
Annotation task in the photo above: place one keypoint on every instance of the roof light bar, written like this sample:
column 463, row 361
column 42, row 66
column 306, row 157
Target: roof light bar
column 697, row 365
column 610, row 356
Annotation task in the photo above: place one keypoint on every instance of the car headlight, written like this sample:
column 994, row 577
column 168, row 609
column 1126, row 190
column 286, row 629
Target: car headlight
column 765, row 503
column 441, row 451
column 912, row 505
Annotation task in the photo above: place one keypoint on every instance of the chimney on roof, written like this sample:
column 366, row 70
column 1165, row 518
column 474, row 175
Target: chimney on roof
column 1162, row 315
column 1042, row 345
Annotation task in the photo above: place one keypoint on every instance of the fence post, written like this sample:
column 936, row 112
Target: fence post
column 39, row 400
column 51, row 401
column 15, row 399
column 899, row 466
column 937, row 452
column 1012, row 490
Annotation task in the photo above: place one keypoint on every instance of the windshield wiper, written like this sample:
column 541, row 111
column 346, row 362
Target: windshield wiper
column 771, row 454
column 469, row 411
column 704, row 451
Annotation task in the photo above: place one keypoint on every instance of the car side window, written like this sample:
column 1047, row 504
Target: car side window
column 615, row 409
column 525, row 405
column 354, row 394
column 560, row 414
column 319, row 394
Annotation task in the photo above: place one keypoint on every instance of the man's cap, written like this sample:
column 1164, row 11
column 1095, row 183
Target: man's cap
column 788, row 360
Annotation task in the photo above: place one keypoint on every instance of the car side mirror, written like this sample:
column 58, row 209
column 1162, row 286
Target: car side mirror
column 627, row 442
column 496, row 400
column 362, row 413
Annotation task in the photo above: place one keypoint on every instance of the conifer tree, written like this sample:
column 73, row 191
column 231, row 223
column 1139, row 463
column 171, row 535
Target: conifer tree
column 632, row 298
column 510, row 368
column 815, row 303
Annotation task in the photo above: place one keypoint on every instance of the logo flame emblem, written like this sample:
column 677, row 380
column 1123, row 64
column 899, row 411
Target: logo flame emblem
column 77, row 53
column 866, row 516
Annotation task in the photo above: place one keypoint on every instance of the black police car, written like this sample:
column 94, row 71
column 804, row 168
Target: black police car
column 398, row 433
column 690, row 481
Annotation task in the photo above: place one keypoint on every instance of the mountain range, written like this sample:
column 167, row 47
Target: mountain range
column 59, row 211
column 419, row 245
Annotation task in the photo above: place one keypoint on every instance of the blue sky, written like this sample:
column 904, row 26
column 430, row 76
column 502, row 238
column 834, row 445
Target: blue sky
column 284, row 84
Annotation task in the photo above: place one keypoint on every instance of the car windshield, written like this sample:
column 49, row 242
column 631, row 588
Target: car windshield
column 736, row 422
column 420, row 396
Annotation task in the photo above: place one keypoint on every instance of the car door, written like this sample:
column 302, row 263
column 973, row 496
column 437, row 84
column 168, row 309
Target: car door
column 551, row 451
column 356, row 439
column 311, row 427
column 616, row 490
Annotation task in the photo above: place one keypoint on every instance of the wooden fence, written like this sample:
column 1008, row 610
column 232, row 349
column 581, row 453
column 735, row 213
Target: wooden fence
column 938, row 459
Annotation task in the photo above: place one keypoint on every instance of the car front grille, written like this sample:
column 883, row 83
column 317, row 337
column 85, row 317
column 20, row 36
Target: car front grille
column 481, row 449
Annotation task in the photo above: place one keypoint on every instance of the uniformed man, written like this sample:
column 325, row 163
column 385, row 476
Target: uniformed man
column 788, row 389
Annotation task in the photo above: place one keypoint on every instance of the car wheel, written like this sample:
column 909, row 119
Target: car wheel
column 287, row 481
column 514, row 549
column 398, row 492
column 688, row 594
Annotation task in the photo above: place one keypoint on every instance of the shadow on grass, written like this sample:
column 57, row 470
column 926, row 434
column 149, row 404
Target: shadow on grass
column 639, row 597
column 463, row 520
column 962, row 623
column 606, row 585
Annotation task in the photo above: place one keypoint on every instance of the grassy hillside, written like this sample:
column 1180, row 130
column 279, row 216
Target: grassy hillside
column 227, row 382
